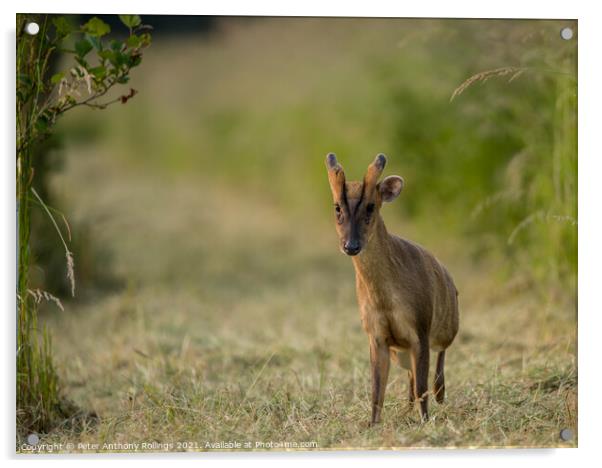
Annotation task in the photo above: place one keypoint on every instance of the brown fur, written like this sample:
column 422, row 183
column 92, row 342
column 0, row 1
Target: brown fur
column 407, row 299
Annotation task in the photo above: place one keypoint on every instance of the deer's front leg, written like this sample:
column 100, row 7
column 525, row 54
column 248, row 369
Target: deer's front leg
column 420, row 370
column 379, row 360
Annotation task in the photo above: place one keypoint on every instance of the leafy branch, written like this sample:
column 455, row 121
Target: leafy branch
column 100, row 65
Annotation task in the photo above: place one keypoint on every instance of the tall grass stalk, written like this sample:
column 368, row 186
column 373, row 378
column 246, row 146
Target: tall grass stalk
column 68, row 253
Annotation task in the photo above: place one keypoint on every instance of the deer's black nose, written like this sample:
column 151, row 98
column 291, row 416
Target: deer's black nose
column 352, row 247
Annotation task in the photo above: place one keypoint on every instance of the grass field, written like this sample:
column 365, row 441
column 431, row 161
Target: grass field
column 240, row 324
column 235, row 318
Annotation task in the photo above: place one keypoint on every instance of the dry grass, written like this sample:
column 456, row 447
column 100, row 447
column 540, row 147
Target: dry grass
column 233, row 327
column 486, row 75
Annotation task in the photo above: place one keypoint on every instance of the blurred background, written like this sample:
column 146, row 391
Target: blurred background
column 202, row 225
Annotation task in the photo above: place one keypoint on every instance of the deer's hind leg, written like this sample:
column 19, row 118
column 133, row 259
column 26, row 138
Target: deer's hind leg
column 403, row 359
column 439, row 383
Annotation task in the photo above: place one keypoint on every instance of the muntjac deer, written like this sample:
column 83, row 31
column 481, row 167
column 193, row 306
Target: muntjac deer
column 408, row 301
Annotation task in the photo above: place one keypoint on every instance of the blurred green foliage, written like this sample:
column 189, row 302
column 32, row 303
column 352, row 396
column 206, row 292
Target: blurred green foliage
column 499, row 162
column 257, row 105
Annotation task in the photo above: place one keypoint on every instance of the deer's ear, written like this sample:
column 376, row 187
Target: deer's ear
column 390, row 188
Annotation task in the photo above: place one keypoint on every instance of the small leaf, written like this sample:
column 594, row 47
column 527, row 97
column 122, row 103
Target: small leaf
column 57, row 78
column 63, row 26
column 120, row 59
column 99, row 72
column 97, row 27
column 131, row 21
column 82, row 47
column 96, row 42
column 145, row 39
column 116, row 45
column 134, row 60
column 82, row 62
column 134, row 41
column 126, row 97
column 42, row 124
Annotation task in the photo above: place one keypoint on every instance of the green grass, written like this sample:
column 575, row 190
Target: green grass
column 237, row 318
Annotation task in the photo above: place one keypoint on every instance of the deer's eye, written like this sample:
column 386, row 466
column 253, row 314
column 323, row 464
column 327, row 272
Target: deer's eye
column 339, row 213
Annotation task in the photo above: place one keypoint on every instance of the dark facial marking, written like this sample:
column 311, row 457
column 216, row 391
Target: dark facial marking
column 369, row 212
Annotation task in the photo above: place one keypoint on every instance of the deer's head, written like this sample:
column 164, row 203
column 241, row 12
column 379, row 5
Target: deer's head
column 357, row 204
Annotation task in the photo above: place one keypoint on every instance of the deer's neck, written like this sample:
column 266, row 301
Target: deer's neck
column 372, row 262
